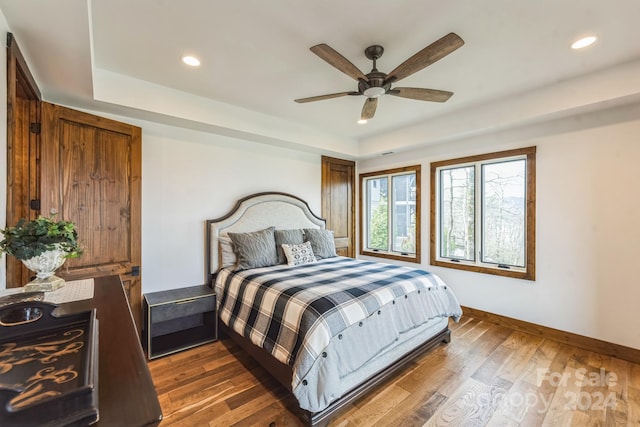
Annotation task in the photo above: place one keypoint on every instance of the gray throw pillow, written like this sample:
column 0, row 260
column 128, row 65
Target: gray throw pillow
column 256, row 249
column 322, row 242
column 288, row 237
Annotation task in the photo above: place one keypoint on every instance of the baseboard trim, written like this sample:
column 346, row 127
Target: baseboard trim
column 626, row 353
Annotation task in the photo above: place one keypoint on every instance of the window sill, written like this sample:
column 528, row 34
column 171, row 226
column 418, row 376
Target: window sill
column 515, row 274
column 407, row 258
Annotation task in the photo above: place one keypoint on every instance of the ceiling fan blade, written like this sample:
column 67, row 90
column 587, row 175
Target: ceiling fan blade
column 321, row 97
column 427, row 56
column 369, row 108
column 338, row 61
column 421, row 94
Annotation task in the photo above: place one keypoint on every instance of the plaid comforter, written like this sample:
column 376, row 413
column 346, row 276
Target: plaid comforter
column 293, row 312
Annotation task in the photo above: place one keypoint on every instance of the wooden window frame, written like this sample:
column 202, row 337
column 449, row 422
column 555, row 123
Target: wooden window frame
column 529, row 272
column 416, row 257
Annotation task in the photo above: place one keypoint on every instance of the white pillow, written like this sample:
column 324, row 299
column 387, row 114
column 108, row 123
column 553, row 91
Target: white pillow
column 298, row 254
column 227, row 254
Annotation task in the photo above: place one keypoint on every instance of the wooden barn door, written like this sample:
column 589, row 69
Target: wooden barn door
column 91, row 175
column 338, row 189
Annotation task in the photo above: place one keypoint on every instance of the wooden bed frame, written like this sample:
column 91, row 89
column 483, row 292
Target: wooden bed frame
column 253, row 207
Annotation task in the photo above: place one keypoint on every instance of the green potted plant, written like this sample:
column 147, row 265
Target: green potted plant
column 43, row 245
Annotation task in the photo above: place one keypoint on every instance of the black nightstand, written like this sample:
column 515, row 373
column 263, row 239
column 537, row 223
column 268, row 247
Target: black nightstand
column 178, row 319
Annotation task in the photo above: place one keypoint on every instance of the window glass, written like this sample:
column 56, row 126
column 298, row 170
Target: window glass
column 503, row 213
column 457, row 213
column 404, row 213
column 378, row 215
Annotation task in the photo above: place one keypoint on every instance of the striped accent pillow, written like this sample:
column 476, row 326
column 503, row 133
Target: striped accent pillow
column 256, row 249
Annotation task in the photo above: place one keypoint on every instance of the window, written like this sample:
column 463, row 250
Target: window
column 390, row 208
column 483, row 213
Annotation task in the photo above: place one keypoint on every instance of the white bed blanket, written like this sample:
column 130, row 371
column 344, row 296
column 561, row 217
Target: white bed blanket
column 331, row 319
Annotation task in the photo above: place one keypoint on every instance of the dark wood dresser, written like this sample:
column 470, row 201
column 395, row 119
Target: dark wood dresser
column 126, row 394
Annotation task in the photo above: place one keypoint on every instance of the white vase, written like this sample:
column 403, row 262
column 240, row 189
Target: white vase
column 44, row 265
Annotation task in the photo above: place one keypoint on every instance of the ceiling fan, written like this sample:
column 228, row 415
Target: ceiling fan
column 375, row 84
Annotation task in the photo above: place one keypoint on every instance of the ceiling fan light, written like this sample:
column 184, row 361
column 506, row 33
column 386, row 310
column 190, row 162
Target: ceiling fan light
column 374, row 92
column 362, row 121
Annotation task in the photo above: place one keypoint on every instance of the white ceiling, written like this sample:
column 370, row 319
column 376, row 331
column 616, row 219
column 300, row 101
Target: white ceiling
column 255, row 55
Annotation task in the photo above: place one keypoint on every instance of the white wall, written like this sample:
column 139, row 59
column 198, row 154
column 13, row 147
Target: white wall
column 588, row 234
column 4, row 28
column 189, row 177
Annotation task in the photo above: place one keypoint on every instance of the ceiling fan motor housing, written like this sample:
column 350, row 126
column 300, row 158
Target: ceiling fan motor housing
column 376, row 86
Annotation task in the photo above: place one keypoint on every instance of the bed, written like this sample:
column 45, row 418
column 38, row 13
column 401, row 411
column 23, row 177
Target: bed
column 327, row 327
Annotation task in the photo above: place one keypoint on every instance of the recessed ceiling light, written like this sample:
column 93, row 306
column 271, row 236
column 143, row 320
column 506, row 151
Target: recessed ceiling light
column 362, row 121
column 191, row 60
column 583, row 42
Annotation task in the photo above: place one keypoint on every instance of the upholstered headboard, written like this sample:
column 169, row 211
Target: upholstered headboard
column 256, row 212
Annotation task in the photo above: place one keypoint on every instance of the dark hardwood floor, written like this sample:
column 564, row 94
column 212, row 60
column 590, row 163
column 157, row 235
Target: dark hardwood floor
column 488, row 375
